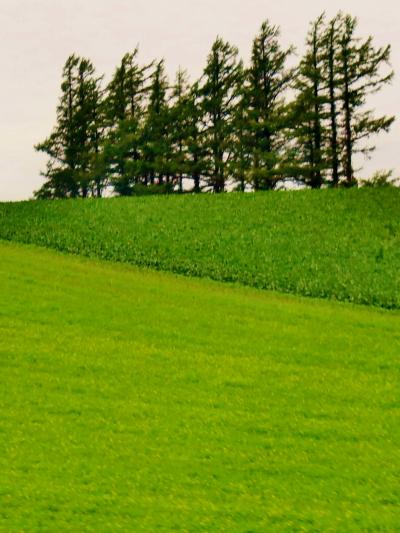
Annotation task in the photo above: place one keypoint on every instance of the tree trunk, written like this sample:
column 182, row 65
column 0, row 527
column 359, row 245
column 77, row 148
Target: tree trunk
column 348, row 163
column 332, row 103
column 316, row 182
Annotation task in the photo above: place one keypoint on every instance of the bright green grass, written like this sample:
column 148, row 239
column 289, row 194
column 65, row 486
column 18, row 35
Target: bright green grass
column 140, row 401
column 337, row 244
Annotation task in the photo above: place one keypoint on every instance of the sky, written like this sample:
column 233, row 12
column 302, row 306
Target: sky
column 39, row 35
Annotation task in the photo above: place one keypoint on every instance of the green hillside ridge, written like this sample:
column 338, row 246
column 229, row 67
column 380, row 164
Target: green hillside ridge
column 140, row 401
column 342, row 244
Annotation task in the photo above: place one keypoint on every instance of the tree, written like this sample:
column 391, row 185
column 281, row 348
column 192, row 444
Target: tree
column 267, row 80
column 381, row 178
column 179, row 123
column 309, row 113
column 336, row 76
column 156, row 143
column 240, row 167
column 195, row 146
column 74, row 145
column 124, row 108
column 219, row 98
column 233, row 127
column 126, row 91
column 360, row 65
column 331, row 46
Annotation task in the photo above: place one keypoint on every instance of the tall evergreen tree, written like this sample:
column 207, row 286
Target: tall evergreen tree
column 268, row 78
column 126, row 90
column 219, row 93
column 360, row 74
column 124, row 105
column 241, row 166
column 196, row 148
column 156, row 141
column 331, row 45
column 233, row 126
column 336, row 76
column 310, row 112
column 74, row 144
column 179, row 123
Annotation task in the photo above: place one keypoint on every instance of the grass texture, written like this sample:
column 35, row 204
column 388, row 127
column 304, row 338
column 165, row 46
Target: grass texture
column 328, row 244
column 142, row 401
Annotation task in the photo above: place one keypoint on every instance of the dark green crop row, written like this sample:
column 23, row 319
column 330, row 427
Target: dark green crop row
column 342, row 244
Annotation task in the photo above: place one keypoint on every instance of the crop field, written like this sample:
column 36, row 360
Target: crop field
column 134, row 400
column 329, row 244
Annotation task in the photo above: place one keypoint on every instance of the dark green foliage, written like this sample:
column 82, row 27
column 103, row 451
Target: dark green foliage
column 329, row 118
column 222, row 78
column 331, row 44
column 178, row 127
column 125, row 92
column 125, row 103
column 156, row 145
column 234, row 128
column 361, row 74
column 122, row 156
column 309, row 112
column 74, row 146
column 341, row 244
column 267, row 81
column 240, row 164
column 381, row 178
column 194, row 142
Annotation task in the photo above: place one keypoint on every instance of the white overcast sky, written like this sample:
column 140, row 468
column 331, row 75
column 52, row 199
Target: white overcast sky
column 38, row 36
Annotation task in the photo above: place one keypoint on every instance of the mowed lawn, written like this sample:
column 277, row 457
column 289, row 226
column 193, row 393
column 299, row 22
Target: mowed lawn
column 141, row 401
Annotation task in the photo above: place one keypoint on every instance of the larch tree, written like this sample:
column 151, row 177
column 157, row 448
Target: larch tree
column 179, row 124
column 310, row 111
column 196, row 149
column 331, row 43
column 331, row 123
column 219, row 99
column 124, row 105
column 360, row 73
column 155, row 138
column 232, row 128
column 240, row 167
column 73, row 146
column 267, row 80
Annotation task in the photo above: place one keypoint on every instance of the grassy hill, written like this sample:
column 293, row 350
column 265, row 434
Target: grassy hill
column 337, row 244
column 141, row 401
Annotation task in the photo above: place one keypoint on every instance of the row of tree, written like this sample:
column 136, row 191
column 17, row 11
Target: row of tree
column 242, row 126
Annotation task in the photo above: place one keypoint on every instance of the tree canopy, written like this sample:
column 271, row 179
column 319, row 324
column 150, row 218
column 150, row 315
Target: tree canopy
column 239, row 126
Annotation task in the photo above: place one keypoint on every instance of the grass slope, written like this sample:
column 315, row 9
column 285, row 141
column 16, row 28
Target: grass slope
column 141, row 401
column 338, row 244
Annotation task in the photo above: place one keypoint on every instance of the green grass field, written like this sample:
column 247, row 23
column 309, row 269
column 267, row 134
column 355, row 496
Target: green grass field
column 337, row 244
column 140, row 401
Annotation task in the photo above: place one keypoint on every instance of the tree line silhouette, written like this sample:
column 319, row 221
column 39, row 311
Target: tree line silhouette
column 238, row 126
